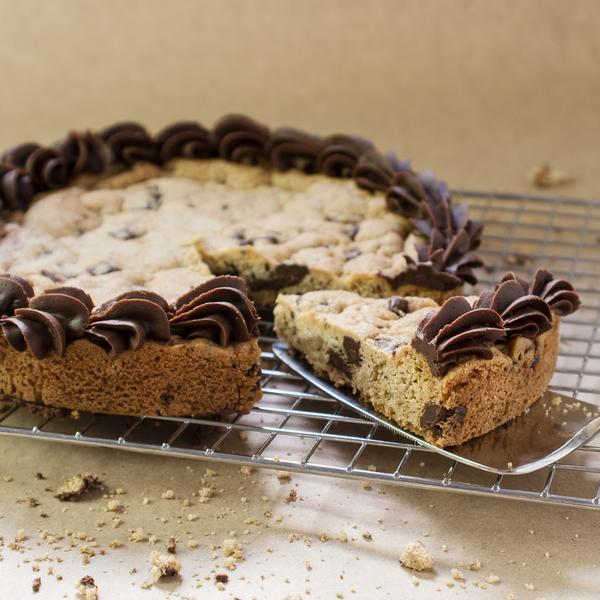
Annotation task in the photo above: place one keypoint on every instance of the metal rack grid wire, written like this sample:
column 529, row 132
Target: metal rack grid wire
column 298, row 428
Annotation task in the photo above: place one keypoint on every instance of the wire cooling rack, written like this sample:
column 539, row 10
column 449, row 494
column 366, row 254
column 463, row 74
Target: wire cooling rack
column 298, row 428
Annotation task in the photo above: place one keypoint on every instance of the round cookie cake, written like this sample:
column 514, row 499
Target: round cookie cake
column 133, row 261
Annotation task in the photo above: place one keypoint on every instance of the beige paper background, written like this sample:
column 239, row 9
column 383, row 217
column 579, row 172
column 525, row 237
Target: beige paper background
column 477, row 91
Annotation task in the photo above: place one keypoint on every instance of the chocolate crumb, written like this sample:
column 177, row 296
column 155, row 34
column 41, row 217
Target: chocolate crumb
column 398, row 305
column 36, row 584
column 222, row 578
column 171, row 545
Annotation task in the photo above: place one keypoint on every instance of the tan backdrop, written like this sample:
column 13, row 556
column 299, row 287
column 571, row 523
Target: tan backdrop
column 477, row 91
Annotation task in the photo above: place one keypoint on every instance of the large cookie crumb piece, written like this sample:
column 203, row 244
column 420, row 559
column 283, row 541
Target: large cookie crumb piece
column 415, row 557
column 232, row 547
column 163, row 566
column 87, row 589
column 76, row 487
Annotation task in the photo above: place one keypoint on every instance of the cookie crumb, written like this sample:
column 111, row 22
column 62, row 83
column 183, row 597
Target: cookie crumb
column 474, row 565
column 283, row 475
column 163, row 566
column 168, row 495
column 457, row 575
column 137, row 535
column 291, row 497
column 87, row 589
column 113, row 506
column 415, row 557
column 231, row 547
column 76, row 487
column 545, row 176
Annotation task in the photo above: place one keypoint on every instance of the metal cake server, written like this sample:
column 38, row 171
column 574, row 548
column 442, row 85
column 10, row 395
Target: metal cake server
column 553, row 427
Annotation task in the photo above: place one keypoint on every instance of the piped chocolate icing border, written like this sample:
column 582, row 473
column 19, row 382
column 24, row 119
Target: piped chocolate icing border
column 218, row 309
column 514, row 308
column 444, row 261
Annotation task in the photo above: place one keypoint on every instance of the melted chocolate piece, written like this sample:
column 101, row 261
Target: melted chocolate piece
column 282, row 276
column 435, row 415
column 398, row 305
column 339, row 362
column 352, row 350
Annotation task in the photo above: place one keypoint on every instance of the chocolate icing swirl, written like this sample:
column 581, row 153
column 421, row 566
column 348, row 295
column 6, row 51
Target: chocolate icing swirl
column 14, row 293
column 292, row 149
column 218, row 309
column 523, row 314
column 558, row 293
column 17, row 155
column 48, row 169
column 129, row 143
column 520, row 308
column 47, row 324
column 186, row 139
column 454, row 331
column 16, row 188
column 241, row 139
column 128, row 321
column 84, row 153
column 406, row 195
column 340, row 154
